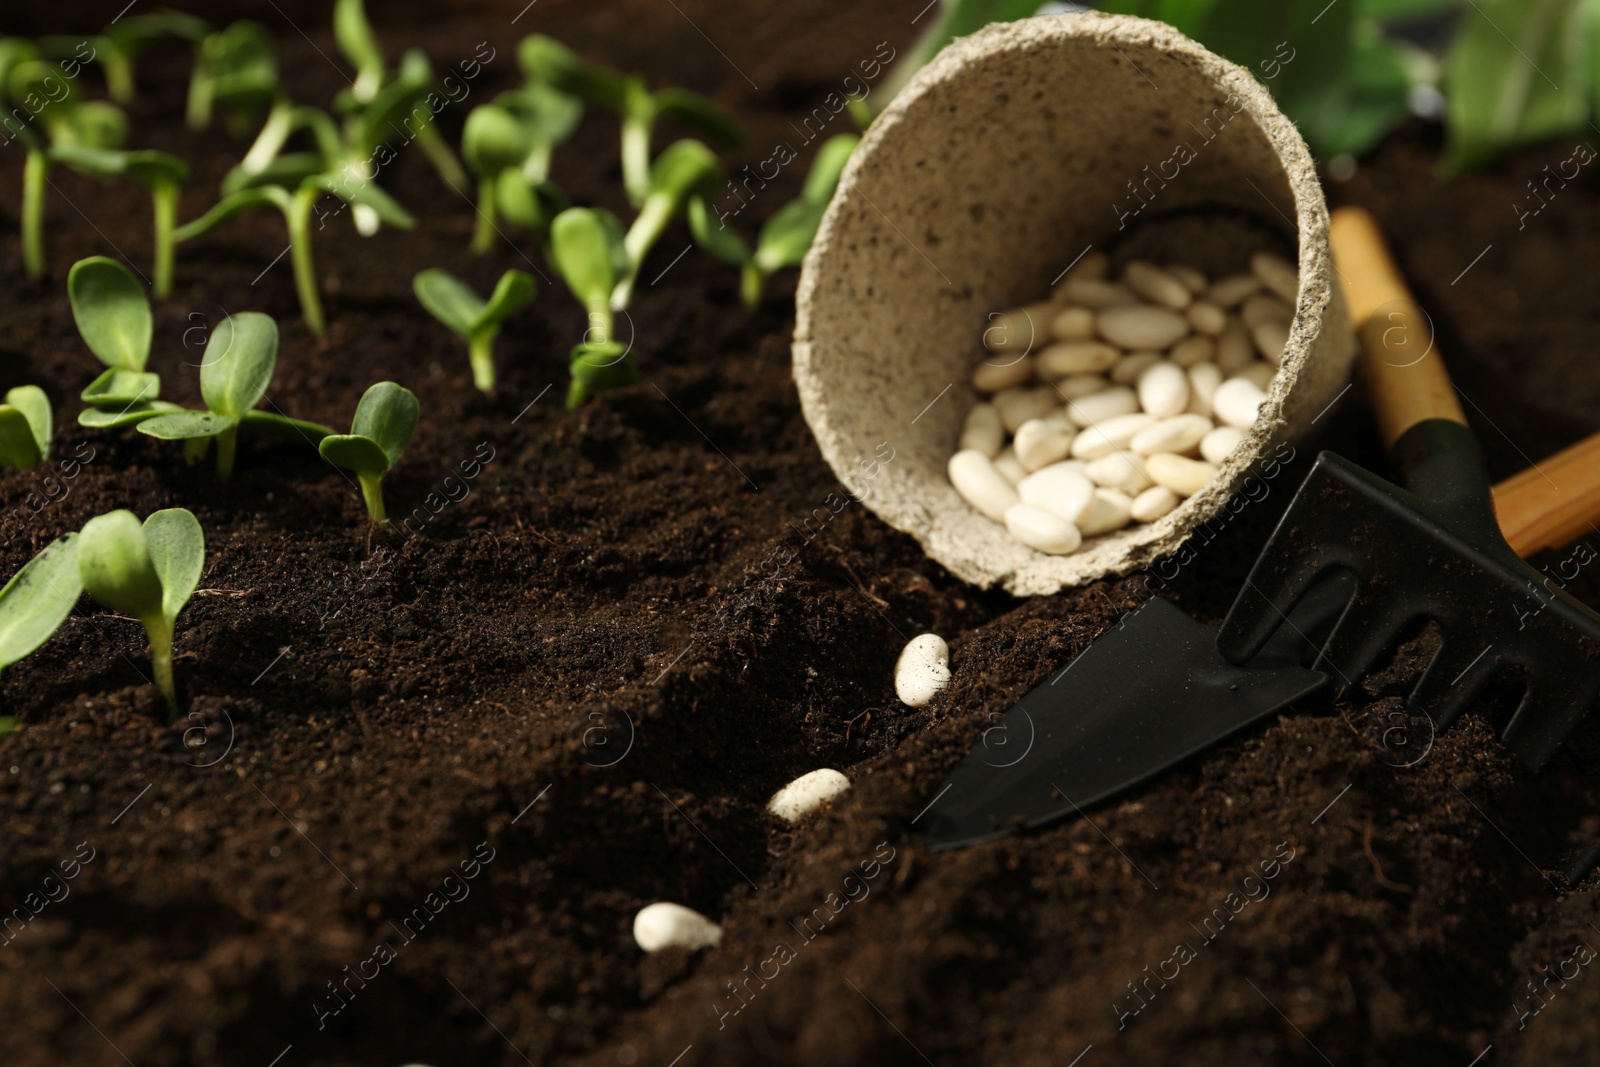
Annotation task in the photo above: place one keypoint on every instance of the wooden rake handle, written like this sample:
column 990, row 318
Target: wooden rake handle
column 1552, row 503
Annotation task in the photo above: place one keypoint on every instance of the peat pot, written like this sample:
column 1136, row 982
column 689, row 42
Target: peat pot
column 1008, row 156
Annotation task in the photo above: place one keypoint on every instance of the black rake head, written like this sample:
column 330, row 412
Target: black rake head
column 1432, row 551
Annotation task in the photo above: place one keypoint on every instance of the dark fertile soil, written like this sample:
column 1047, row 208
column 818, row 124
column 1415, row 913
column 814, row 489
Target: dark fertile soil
column 573, row 691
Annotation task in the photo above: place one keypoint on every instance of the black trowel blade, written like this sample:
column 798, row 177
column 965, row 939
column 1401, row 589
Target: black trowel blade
column 1146, row 696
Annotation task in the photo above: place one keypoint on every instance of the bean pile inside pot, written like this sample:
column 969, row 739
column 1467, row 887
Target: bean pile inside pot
column 1113, row 400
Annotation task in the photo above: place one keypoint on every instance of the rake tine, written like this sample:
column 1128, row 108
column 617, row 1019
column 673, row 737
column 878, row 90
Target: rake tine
column 1454, row 678
column 1551, row 707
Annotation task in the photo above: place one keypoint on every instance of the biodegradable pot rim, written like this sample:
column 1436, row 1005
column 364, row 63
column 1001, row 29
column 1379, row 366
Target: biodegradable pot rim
column 939, row 520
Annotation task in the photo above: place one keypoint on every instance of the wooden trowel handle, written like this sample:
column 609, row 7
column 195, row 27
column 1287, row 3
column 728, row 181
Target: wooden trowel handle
column 1404, row 372
column 1548, row 505
column 1553, row 503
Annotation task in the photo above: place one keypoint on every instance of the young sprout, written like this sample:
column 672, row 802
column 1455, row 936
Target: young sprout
column 787, row 235
column 117, row 46
column 240, row 356
column 509, row 143
column 588, row 250
column 385, row 419
column 113, row 316
column 61, row 123
column 148, row 571
column 295, row 202
column 545, row 60
column 38, row 599
column 379, row 98
column 449, row 300
column 236, row 71
column 493, row 142
column 162, row 174
column 686, row 169
column 25, row 426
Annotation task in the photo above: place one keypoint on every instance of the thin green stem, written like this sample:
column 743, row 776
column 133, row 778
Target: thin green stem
column 34, row 169
column 372, row 493
column 118, row 67
column 164, row 199
column 226, row 440
column 483, row 232
column 158, row 628
column 536, row 168
column 438, row 151
column 480, row 350
column 752, row 279
column 298, row 217
column 577, row 395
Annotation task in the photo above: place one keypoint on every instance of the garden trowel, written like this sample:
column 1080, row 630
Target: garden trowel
column 1157, row 689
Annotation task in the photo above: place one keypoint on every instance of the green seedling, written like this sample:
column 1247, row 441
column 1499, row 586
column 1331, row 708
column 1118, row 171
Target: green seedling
column 147, row 570
column 58, row 123
column 162, row 174
column 38, row 599
column 546, row 60
column 493, row 143
column 685, row 170
column 509, row 144
column 787, row 235
column 379, row 96
column 113, row 317
column 469, row 317
column 25, row 427
column 117, row 47
column 385, row 419
column 588, row 250
column 240, row 357
column 296, row 201
column 236, row 72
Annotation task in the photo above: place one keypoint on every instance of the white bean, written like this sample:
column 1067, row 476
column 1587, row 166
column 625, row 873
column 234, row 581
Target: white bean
column 1152, row 504
column 1093, row 292
column 1186, row 477
column 1002, row 372
column 1163, row 389
column 985, row 488
column 1106, row 404
column 1017, row 406
column 1072, row 324
column 1041, row 442
column 1075, row 385
column 1179, row 433
column 806, row 794
column 1130, row 366
column 1194, row 349
column 1193, row 278
column 1042, row 530
column 1019, row 330
column 1264, row 307
column 1259, row 371
column 1277, row 274
column 1062, row 488
column 1118, row 470
column 663, row 925
column 1010, row 468
column 1237, row 401
column 983, row 431
column 1219, row 444
column 1234, row 347
column 1207, row 318
column 1203, row 381
column 1139, row 326
column 1109, row 510
column 1155, row 284
column 922, row 670
column 1228, row 292
column 1108, row 435
column 1064, row 358
column 1092, row 266
column 1271, row 337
